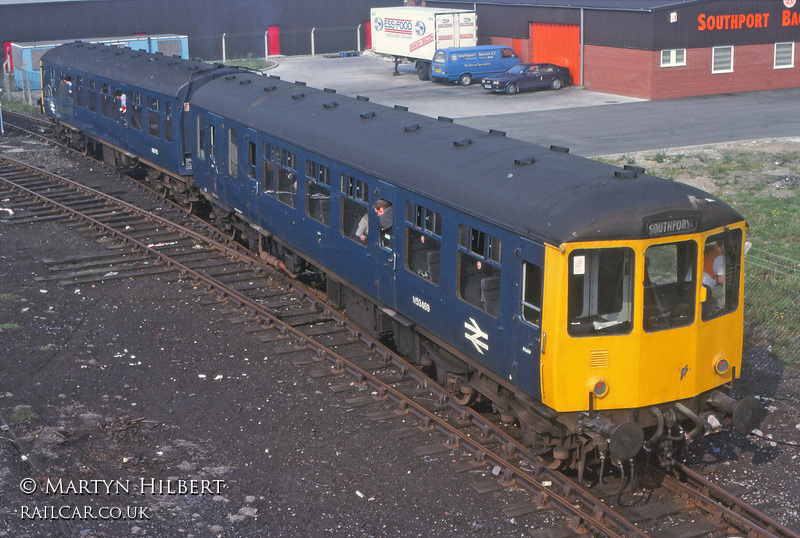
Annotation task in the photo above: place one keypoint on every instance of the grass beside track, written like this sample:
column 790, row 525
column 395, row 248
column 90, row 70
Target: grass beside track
column 761, row 180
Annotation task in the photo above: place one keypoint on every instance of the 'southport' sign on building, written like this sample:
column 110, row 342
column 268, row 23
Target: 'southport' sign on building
column 651, row 49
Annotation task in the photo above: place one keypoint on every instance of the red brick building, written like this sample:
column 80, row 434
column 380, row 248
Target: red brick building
column 652, row 49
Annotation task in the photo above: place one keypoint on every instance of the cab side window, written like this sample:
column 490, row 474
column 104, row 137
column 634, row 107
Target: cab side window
column 722, row 258
column 531, row 310
column 479, row 269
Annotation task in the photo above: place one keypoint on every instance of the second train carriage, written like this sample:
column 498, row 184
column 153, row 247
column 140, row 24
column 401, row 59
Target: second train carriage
column 131, row 101
column 568, row 292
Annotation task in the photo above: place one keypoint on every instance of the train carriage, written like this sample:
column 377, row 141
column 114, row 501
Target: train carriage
column 131, row 102
column 599, row 307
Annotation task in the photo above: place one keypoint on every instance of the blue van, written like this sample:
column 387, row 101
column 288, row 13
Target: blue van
column 465, row 64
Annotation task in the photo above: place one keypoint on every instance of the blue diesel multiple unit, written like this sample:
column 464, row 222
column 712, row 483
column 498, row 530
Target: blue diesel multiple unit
column 566, row 292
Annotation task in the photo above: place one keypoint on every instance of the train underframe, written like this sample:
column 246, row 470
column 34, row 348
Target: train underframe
column 577, row 441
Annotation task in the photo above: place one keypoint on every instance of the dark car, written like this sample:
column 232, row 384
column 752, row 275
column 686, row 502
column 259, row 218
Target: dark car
column 528, row 77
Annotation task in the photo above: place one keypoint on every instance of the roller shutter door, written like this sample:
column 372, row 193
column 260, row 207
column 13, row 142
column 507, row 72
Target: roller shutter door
column 558, row 44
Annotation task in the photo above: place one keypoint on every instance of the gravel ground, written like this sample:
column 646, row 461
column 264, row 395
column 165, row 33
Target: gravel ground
column 140, row 384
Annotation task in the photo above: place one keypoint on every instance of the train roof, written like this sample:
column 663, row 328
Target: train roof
column 158, row 73
column 545, row 193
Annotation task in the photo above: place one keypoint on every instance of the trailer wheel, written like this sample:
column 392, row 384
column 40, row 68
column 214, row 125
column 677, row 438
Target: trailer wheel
column 423, row 70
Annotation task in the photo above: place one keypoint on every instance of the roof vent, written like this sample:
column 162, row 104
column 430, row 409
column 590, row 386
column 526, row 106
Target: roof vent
column 496, row 132
column 445, row 119
column 230, row 77
column 332, row 104
column 270, row 88
column 625, row 174
column 411, row 128
column 172, row 63
column 119, row 52
column 299, row 83
column 462, row 142
column 401, row 107
column 362, row 98
column 276, row 77
column 245, row 81
column 298, row 96
column 637, row 169
column 524, row 161
column 367, row 115
column 151, row 59
column 559, row 149
column 329, row 90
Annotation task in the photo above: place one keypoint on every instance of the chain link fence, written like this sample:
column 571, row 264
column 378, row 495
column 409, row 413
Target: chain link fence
column 771, row 311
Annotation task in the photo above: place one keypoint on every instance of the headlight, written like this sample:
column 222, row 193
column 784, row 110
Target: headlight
column 597, row 386
column 721, row 365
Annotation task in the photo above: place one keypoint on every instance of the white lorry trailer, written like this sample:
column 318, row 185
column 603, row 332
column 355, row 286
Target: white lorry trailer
column 413, row 34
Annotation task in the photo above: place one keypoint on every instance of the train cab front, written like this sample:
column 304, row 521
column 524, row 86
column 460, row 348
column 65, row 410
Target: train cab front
column 650, row 339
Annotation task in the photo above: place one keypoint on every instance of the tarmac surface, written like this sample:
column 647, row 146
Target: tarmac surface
column 589, row 123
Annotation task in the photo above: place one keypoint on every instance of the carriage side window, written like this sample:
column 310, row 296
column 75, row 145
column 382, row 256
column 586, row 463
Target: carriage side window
column 212, row 142
column 355, row 209
column 423, row 242
column 233, row 153
column 722, row 258
column 532, row 294
column 286, row 176
column 79, row 101
column 669, row 285
column 153, row 117
column 268, row 169
column 168, row 122
column 91, row 95
column 201, row 137
column 106, row 100
column 318, row 192
column 65, row 88
column 479, row 269
column 136, row 110
column 115, row 103
column 252, row 160
column 600, row 292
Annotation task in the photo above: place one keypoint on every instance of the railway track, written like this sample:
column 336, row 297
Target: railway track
column 147, row 235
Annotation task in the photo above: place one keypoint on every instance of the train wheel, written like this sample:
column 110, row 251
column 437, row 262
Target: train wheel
column 464, row 398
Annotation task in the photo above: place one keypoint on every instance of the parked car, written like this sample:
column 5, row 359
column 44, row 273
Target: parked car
column 528, row 77
column 465, row 64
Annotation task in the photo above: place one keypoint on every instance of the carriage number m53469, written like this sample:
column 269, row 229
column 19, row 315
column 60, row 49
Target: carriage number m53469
column 420, row 303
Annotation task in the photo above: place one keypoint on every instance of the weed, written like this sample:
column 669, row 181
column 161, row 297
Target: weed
column 9, row 327
column 23, row 413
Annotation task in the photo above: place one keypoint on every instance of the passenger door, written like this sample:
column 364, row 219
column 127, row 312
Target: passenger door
column 529, row 341
column 532, row 78
column 216, row 154
column 387, row 244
